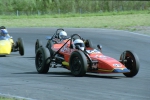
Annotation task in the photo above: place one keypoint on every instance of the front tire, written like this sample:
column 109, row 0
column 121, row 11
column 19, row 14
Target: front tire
column 21, row 46
column 132, row 63
column 42, row 60
column 78, row 63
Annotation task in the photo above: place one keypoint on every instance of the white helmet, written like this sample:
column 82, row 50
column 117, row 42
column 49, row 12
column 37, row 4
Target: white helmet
column 62, row 34
column 80, row 43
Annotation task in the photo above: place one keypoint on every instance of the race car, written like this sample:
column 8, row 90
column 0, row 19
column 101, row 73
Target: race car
column 81, row 60
column 8, row 45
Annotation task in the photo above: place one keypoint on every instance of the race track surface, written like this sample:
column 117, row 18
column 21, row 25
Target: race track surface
column 18, row 75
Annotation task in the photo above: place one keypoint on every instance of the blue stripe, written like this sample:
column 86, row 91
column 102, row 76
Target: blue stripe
column 121, row 71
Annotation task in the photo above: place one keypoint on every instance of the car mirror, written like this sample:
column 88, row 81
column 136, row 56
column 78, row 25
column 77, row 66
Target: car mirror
column 99, row 47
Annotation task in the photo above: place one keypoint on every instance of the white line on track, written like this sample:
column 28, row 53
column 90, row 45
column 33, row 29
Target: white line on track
column 129, row 32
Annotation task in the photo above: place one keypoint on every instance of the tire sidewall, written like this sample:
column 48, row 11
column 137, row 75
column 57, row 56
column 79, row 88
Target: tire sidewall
column 49, row 46
column 38, row 44
column 21, row 46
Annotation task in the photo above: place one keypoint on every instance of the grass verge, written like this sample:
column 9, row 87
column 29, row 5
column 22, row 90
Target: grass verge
column 6, row 98
column 127, row 20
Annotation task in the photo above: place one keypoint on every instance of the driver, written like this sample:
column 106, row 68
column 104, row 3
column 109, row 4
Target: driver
column 4, row 33
column 80, row 43
column 62, row 35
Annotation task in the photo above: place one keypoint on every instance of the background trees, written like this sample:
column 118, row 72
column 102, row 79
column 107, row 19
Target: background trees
column 71, row 6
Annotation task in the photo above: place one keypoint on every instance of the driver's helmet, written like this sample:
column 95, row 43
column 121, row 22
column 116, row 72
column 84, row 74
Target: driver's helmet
column 62, row 35
column 80, row 43
column 3, row 32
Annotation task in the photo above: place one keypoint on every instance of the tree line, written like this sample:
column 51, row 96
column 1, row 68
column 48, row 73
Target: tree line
column 72, row 5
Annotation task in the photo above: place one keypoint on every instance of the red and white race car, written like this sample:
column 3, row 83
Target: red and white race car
column 80, row 61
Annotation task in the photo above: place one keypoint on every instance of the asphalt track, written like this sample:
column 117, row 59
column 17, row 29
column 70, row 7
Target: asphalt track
column 18, row 76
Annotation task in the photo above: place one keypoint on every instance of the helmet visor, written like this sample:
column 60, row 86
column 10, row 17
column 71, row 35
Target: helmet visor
column 80, row 44
column 63, row 36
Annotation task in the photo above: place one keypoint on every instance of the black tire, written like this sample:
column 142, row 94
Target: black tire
column 88, row 43
column 132, row 63
column 21, row 46
column 78, row 63
column 49, row 46
column 38, row 44
column 42, row 60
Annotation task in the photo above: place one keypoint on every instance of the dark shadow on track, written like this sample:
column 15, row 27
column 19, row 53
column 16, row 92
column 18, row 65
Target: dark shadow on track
column 103, row 76
column 60, row 74
column 27, row 73
column 13, row 55
column 28, row 57
column 68, row 74
column 52, row 73
column 2, row 55
column 10, row 55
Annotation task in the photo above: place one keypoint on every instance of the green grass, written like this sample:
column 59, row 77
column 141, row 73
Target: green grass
column 6, row 98
column 87, row 14
column 114, row 20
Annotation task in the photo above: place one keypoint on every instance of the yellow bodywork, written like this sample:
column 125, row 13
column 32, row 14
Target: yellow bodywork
column 6, row 46
column 65, row 63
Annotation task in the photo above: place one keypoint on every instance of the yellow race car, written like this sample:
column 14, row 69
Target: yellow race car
column 7, row 46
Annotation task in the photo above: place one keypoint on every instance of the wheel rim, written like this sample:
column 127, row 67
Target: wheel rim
column 76, row 65
column 130, row 61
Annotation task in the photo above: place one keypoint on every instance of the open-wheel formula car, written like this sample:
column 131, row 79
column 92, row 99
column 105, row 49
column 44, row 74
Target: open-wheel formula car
column 80, row 60
column 8, row 45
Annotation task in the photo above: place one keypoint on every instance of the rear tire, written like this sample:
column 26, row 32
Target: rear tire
column 21, row 46
column 42, row 60
column 78, row 63
column 38, row 44
column 132, row 63
column 49, row 46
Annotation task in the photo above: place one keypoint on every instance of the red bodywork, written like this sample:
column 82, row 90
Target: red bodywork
column 104, row 64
